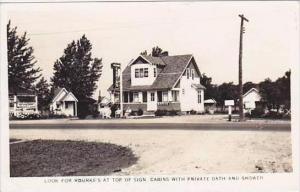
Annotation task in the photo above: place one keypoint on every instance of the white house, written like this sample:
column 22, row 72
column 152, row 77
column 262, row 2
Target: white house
column 250, row 98
column 161, row 83
column 64, row 103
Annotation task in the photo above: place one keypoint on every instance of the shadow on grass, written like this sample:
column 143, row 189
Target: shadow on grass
column 40, row 158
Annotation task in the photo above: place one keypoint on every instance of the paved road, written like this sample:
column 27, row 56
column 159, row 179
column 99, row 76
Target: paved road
column 246, row 126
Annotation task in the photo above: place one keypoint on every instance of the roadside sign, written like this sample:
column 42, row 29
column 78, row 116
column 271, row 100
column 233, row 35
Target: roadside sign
column 229, row 102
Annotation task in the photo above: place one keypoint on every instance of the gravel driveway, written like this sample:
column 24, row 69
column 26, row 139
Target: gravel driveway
column 187, row 151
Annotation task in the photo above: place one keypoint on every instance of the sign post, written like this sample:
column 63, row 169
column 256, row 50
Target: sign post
column 229, row 103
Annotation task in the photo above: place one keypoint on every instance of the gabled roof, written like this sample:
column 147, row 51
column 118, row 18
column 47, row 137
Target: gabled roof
column 210, row 101
column 198, row 86
column 154, row 60
column 251, row 90
column 59, row 91
column 173, row 68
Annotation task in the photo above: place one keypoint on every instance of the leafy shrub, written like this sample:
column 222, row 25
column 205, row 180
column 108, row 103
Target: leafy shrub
column 256, row 113
column 193, row 112
column 140, row 112
column 160, row 112
column 273, row 115
column 164, row 112
column 173, row 113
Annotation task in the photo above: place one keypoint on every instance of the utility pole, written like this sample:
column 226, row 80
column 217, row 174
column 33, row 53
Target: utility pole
column 242, row 31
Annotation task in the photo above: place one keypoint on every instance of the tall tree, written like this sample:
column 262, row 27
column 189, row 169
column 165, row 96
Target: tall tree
column 248, row 85
column 270, row 93
column 156, row 52
column 227, row 91
column 22, row 72
column 144, row 53
column 42, row 89
column 76, row 70
column 211, row 90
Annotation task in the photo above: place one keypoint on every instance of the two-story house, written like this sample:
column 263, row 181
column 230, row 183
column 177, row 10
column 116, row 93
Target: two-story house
column 161, row 83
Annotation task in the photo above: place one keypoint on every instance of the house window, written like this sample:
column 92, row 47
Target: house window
column 141, row 72
column 154, row 72
column 57, row 105
column 165, row 96
column 136, row 97
column 152, row 95
column 66, row 105
column 125, row 97
column 182, row 91
column 145, row 72
column 175, row 96
column 144, row 97
column 187, row 73
column 137, row 73
column 193, row 74
column 130, row 97
column 159, row 96
column 199, row 96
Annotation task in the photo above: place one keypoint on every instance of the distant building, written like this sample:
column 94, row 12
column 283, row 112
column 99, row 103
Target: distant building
column 250, row 99
column 210, row 106
column 161, row 83
column 64, row 103
column 22, row 102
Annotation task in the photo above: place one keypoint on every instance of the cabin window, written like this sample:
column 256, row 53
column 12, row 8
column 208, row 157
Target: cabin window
column 145, row 97
column 66, row 105
column 136, row 97
column 154, row 72
column 146, row 72
column 187, row 73
column 152, row 95
column 199, row 96
column 165, row 96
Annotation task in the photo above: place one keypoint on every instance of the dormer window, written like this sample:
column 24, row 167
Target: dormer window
column 141, row 72
column 137, row 73
column 145, row 72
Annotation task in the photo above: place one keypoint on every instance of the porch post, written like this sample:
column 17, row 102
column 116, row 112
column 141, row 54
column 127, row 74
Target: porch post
column 15, row 105
column 75, row 108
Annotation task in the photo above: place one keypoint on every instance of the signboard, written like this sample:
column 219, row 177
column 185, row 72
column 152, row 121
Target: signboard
column 229, row 102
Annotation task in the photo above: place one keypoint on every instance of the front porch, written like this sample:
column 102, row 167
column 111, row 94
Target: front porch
column 152, row 100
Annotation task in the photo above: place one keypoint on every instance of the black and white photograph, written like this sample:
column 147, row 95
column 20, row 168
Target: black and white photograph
column 150, row 90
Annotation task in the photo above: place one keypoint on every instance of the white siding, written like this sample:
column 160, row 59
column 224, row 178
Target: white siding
column 250, row 99
column 144, row 80
column 189, row 95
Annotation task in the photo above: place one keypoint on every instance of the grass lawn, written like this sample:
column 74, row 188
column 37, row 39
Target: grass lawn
column 38, row 158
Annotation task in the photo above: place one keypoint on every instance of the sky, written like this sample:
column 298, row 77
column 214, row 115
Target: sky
column 208, row 30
